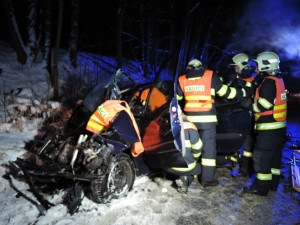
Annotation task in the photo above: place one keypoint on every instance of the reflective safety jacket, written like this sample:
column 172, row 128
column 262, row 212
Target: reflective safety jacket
column 197, row 90
column 270, row 111
column 197, row 93
column 104, row 115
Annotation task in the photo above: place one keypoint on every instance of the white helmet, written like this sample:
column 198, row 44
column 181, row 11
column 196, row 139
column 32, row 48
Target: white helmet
column 195, row 63
column 268, row 61
column 241, row 60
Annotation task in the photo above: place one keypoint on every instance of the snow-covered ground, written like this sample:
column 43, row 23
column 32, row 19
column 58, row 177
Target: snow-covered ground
column 153, row 200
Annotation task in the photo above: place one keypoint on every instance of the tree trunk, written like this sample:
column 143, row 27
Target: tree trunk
column 48, row 25
column 31, row 29
column 57, row 45
column 74, row 32
column 39, row 28
column 14, row 31
column 120, row 14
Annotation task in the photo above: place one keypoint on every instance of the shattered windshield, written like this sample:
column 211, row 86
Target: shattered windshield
column 111, row 88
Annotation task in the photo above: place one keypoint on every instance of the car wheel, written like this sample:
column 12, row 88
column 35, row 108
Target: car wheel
column 117, row 181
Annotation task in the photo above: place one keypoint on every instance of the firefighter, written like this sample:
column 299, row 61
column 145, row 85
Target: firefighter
column 193, row 147
column 196, row 93
column 270, row 108
column 244, row 75
column 243, row 70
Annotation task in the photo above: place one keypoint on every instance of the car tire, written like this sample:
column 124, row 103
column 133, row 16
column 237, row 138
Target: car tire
column 116, row 182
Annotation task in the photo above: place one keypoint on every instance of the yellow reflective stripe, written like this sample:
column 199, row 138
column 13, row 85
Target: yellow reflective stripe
column 191, row 166
column 275, row 171
column 208, row 162
column 187, row 144
column 197, row 105
column 247, row 154
column 197, row 97
column 213, row 92
column 264, row 176
column 198, row 145
column 222, row 90
column 269, row 126
column 279, row 107
column 233, row 159
column 196, row 155
column 248, row 84
column 94, row 125
column 278, row 115
column 255, row 107
column 265, row 103
column 194, row 78
column 97, row 120
column 232, row 93
column 179, row 97
column 244, row 92
column 199, row 119
column 256, row 116
column 144, row 102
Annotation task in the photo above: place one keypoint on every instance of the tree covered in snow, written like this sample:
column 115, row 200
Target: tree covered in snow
column 39, row 35
column 143, row 37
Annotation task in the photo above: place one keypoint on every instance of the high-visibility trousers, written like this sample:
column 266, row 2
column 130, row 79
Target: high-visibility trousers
column 267, row 155
column 209, row 154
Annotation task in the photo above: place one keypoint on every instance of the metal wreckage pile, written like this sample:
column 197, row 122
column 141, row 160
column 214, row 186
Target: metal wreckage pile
column 66, row 155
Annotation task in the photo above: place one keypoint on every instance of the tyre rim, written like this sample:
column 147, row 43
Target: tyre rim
column 118, row 179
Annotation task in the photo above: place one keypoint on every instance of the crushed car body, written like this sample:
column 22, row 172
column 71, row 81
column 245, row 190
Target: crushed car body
column 101, row 154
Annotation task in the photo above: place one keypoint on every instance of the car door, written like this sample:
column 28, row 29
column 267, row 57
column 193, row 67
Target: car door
column 234, row 123
column 155, row 124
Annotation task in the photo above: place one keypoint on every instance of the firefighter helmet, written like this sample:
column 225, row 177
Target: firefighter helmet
column 241, row 60
column 268, row 61
column 195, row 63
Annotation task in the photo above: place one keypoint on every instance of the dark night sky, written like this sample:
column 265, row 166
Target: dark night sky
column 250, row 26
column 98, row 19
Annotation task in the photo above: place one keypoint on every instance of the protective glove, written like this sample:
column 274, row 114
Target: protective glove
column 247, row 103
column 240, row 83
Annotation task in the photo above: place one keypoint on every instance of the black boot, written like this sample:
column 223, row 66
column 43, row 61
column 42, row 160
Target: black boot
column 182, row 184
column 253, row 190
column 209, row 183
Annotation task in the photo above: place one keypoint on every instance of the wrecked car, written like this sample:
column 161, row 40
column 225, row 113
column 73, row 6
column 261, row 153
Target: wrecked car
column 103, row 163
